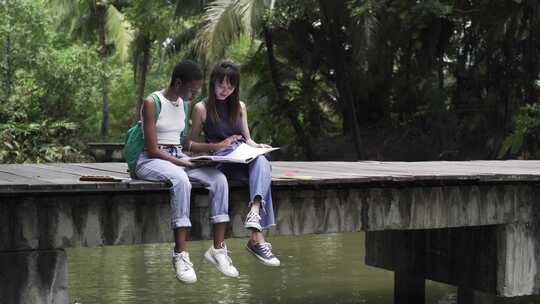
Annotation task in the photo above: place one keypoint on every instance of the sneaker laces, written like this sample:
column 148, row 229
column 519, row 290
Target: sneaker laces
column 253, row 217
column 187, row 263
column 266, row 248
column 224, row 251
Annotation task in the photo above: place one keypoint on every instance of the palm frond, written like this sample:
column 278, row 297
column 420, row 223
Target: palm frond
column 184, row 40
column 63, row 9
column 251, row 12
column 84, row 21
column 222, row 24
column 119, row 30
column 74, row 17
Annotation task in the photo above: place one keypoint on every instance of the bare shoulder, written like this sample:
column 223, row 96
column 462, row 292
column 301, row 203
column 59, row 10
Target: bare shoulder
column 199, row 112
column 149, row 103
column 243, row 105
column 200, row 107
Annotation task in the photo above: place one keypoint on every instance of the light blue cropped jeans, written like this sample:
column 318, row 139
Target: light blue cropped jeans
column 155, row 169
column 258, row 175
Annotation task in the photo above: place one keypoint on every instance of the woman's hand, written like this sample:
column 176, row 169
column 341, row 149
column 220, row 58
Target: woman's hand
column 253, row 144
column 226, row 143
column 185, row 163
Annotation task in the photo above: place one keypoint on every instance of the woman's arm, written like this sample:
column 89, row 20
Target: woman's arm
column 197, row 119
column 150, row 135
column 245, row 129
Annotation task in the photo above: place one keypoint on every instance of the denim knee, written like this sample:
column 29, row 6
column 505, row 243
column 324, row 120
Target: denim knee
column 180, row 182
column 261, row 162
column 219, row 182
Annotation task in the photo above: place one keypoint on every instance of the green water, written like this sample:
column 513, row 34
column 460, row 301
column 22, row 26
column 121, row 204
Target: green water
column 315, row 269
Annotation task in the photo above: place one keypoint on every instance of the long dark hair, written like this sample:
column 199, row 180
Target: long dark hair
column 225, row 70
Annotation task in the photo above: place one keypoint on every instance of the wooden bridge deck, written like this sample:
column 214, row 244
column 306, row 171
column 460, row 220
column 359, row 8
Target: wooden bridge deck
column 60, row 177
column 473, row 224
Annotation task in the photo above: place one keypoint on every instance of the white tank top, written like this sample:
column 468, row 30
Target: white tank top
column 171, row 121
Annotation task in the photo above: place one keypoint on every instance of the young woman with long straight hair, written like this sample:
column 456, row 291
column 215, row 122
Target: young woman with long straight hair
column 223, row 118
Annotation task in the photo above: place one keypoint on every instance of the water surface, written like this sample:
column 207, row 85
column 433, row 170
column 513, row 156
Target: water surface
column 325, row 268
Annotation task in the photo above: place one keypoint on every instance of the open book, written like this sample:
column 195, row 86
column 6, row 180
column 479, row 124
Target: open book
column 243, row 154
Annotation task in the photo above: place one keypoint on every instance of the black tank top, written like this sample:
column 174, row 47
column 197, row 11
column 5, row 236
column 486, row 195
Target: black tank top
column 220, row 129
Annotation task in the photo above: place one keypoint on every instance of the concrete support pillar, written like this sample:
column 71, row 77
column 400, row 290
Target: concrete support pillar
column 468, row 296
column 36, row 276
column 409, row 289
column 465, row 295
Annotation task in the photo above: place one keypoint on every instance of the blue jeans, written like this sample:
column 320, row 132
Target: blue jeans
column 258, row 174
column 155, row 169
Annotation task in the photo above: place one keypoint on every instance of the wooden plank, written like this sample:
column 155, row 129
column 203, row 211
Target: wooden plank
column 335, row 171
column 13, row 178
column 80, row 170
column 375, row 169
column 106, row 146
column 392, row 175
column 362, row 169
column 45, row 175
column 50, row 177
column 33, row 173
column 120, row 168
column 453, row 168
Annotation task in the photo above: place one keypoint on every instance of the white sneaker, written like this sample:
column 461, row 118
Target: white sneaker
column 221, row 259
column 253, row 221
column 184, row 268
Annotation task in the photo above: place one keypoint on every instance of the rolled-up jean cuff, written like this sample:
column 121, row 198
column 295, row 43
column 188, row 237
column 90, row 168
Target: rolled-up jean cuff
column 220, row 218
column 180, row 223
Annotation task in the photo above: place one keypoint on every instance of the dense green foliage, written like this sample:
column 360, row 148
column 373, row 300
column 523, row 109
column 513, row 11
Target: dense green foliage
column 525, row 138
column 438, row 79
column 49, row 87
column 357, row 79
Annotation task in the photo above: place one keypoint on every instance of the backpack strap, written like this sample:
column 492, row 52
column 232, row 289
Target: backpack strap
column 186, row 120
column 157, row 102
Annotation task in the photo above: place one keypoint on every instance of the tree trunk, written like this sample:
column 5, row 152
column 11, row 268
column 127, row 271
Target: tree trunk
column 142, row 71
column 531, row 58
column 105, row 98
column 9, row 68
column 303, row 140
column 314, row 114
column 333, row 13
column 101, row 10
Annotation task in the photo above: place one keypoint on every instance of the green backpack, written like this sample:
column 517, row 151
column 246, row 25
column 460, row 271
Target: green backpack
column 134, row 144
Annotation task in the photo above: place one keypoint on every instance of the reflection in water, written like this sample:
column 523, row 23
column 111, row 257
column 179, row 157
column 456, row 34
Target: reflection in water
column 315, row 269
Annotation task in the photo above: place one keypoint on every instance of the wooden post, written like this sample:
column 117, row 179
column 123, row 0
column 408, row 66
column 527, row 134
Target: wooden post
column 409, row 289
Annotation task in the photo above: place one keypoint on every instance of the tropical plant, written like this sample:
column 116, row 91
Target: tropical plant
column 15, row 34
column 51, row 85
column 97, row 21
column 46, row 141
column 527, row 121
column 160, row 25
column 226, row 21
